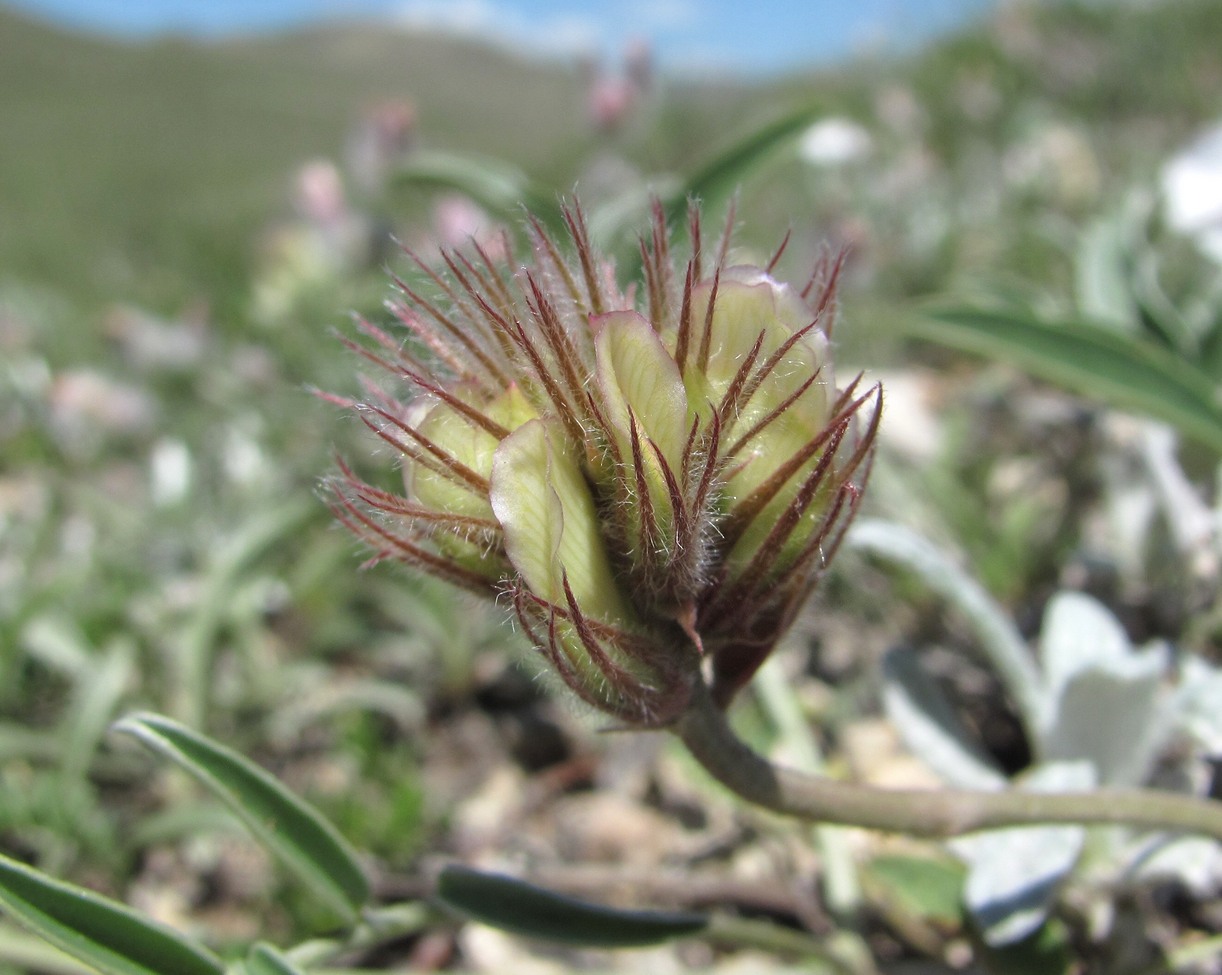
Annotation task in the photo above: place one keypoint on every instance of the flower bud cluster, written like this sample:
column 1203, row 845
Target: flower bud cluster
column 656, row 476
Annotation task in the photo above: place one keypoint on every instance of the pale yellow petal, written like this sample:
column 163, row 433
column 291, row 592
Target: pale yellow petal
column 545, row 508
column 635, row 373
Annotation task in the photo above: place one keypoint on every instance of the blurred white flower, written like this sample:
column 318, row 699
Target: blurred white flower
column 835, row 141
column 244, row 459
column 1192, row 190
column 169, row 472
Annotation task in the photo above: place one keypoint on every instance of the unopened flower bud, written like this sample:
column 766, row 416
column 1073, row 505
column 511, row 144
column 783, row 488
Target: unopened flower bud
column 652, row 482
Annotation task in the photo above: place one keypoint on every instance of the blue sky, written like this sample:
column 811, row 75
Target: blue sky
column 755, row 36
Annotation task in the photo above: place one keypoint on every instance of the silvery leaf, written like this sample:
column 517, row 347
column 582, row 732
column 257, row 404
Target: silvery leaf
column 1197, row 704
column 1193, row 860
column 1014, row 874
column 1078, row 633
column 1113, row 715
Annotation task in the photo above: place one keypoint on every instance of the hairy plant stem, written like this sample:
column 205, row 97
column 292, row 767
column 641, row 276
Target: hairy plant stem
column 706, row 732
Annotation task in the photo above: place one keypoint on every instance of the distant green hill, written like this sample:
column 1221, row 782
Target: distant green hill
column 145, row 171
column 130, row 168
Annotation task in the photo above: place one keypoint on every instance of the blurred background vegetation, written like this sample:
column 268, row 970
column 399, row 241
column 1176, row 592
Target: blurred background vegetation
column 172, row 271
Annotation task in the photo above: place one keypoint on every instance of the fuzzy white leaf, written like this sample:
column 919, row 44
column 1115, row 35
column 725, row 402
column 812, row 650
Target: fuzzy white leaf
column 1014, row 873
column 1114, row 717
column 1106, row 696
column 1079, row 633
column 1197, row 705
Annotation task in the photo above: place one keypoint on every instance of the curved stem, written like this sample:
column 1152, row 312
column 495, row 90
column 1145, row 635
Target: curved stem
column 703, row 728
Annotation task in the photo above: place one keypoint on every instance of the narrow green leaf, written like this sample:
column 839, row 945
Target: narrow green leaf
column 109, row 936
column 499, row 187
column 712, row 183
column 1125, row 372
column 57, row 642
column 1210, row 358
column 1157, row 311
column 924, row 886
column 22, row 741
column 23, row 951
column 228, row 563
column 263, row 959
column 521, row 908
column 288, row 827
column 719, row 178
column 1102, row 275
column 96, row 700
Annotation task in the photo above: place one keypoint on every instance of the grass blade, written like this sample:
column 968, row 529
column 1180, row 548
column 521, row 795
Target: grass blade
column 499, row 187
column 1123, row 371
column 292, row 830
column 96, row 702
column 521, row 908
column 719, row 179
column 713, row 184
column 109, row 936
column 263, row 959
